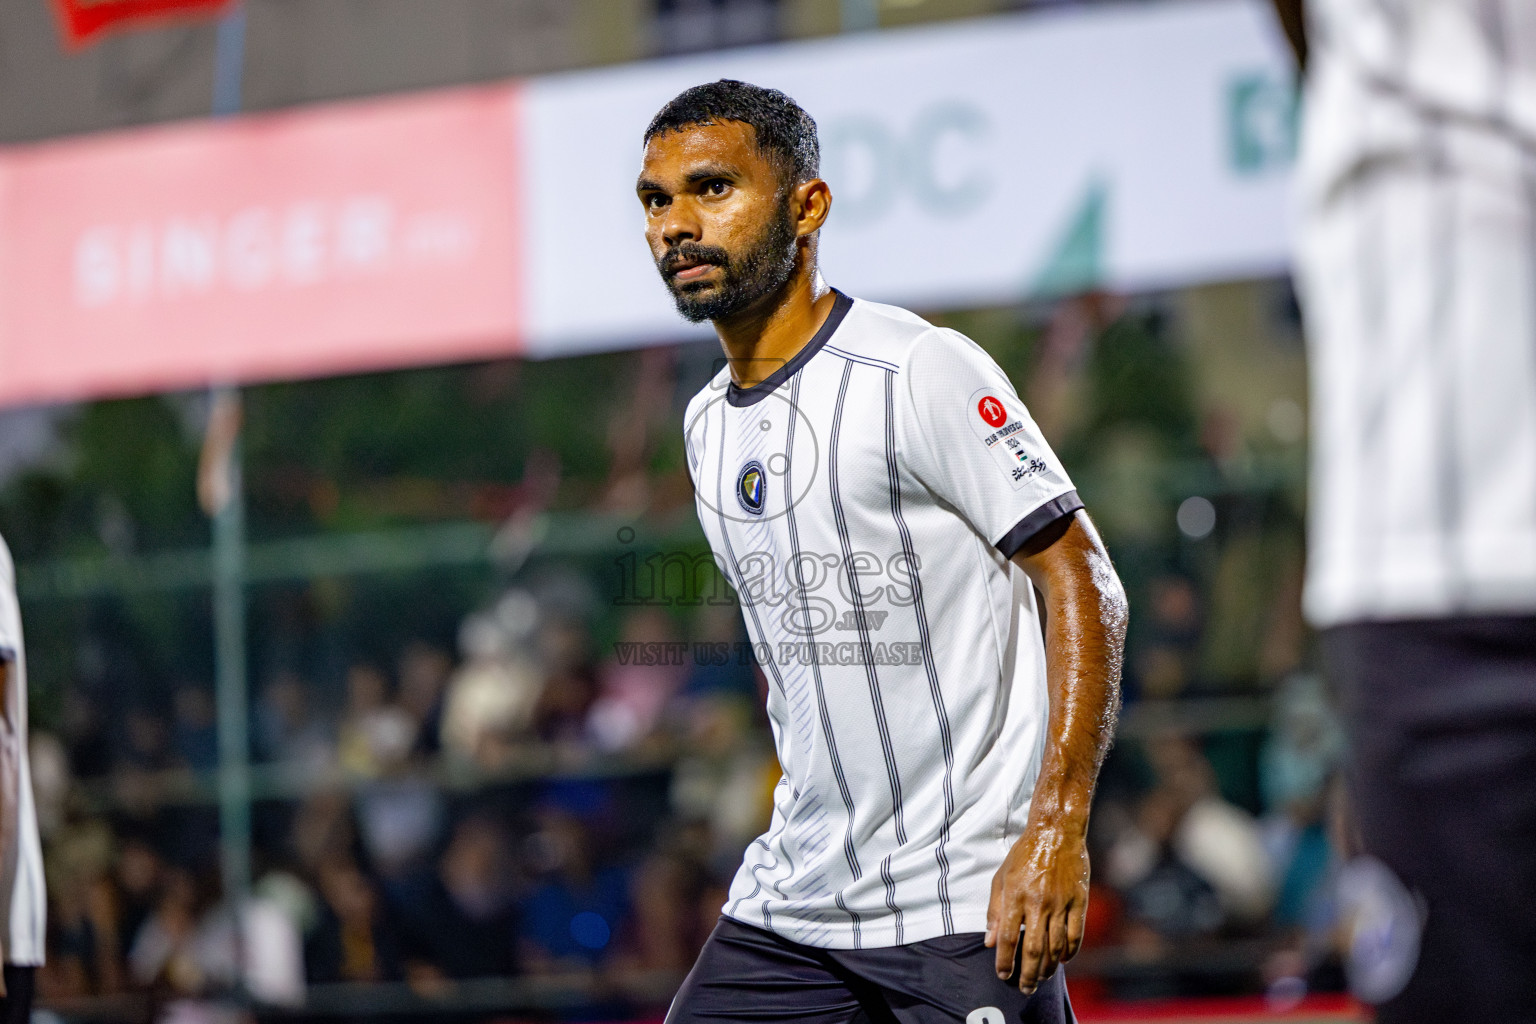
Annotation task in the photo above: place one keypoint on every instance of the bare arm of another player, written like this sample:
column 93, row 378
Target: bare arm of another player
column 1040, row 894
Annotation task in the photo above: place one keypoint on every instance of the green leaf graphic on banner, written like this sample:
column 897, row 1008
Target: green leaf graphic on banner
column 1076, row 263
column 1262, row 123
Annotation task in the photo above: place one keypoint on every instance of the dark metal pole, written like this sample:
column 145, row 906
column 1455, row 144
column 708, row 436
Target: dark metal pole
column 229, row 565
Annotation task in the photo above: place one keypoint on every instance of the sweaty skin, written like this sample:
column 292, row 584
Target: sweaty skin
column 1040, row 894
column 709, row 184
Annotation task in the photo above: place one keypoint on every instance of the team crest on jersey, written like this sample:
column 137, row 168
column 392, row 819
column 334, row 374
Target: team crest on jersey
column 751, row 487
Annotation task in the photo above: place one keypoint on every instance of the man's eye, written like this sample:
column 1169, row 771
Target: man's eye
column 716, row 187
column 655, row 202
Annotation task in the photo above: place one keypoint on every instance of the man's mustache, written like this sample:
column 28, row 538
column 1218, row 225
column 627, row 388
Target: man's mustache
column 691, row 253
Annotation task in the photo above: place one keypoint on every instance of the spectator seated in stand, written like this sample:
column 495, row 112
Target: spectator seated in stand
column 570, row 681
column 1192, row 863
column 666, row 928
column 636, row 684
column 461, row 921
column 423, row 671
column 1300, row 755
column 488, row 710
column 353, row 940
column 194, row 736
column 286, row 729
column 577, row 906
column 373, row 729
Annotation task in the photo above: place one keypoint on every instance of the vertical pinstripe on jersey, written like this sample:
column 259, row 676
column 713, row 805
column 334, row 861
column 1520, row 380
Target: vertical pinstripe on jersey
column 798, row 580
column 882, row 726
column 1528, row 179
column 725, row 536
column 1370, row 248
column 816, row 841
column 1502, row 40
column 747, row 602
column 1491, row 15
column 1496, row 29
column 1442, row 229
column 937, row 694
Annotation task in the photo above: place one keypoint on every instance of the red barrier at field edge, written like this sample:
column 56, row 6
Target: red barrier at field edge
column 352, row 237
column 1322, row 1009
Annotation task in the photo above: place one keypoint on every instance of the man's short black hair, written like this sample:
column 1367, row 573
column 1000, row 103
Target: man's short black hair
column 785, row 132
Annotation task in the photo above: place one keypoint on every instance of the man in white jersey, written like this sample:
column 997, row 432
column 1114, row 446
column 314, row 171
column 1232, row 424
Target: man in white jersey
column 23, row 903
column 1416, row 263
column 888, row 513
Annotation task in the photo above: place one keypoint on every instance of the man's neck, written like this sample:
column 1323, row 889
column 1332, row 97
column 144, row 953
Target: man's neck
column 759, row 341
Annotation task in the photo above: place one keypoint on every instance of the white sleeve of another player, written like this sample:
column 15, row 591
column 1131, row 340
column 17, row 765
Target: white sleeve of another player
column 964, row 433
column 10, row 612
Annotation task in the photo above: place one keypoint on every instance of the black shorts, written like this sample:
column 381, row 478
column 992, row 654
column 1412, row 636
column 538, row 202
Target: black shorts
column 747, row 974
column 16, row 1004
column 1442, row 724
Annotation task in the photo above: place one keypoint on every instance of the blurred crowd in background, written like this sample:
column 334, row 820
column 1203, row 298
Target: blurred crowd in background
column 474, row 770
column 412, row 843
column 380, row 868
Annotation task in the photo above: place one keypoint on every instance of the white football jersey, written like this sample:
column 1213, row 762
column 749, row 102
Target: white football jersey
column 864, row 501
column 1416, row 257
column 27, row 901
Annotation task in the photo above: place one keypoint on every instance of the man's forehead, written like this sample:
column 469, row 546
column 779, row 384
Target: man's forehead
column 734, row 142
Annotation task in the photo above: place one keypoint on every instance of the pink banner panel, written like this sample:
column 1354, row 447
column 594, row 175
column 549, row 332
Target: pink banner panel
column 338, row 239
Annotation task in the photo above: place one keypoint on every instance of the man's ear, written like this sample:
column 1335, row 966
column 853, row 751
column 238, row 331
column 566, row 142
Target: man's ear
column 812, row 205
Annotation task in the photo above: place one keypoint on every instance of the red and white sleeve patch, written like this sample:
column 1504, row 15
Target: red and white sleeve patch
column 999, row 425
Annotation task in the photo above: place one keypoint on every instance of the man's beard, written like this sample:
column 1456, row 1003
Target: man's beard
column 744, row 280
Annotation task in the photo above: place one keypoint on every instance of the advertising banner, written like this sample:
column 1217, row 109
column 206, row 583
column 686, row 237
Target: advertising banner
column 974, row 163
column 977, row 163
column 356, row 237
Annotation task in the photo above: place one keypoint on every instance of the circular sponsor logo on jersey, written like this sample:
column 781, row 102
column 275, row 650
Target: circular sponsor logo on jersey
column 992, row 411
column 750, row 487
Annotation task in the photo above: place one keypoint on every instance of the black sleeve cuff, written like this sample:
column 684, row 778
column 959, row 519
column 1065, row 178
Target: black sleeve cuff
column 1038, row 520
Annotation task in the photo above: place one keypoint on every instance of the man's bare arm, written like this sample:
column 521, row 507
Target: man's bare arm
column 1040, row 894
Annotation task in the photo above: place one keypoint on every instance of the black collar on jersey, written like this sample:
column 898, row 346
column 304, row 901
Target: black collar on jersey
column 743, row 397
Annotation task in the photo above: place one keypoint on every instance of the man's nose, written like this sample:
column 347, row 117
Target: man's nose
column 679, row 223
